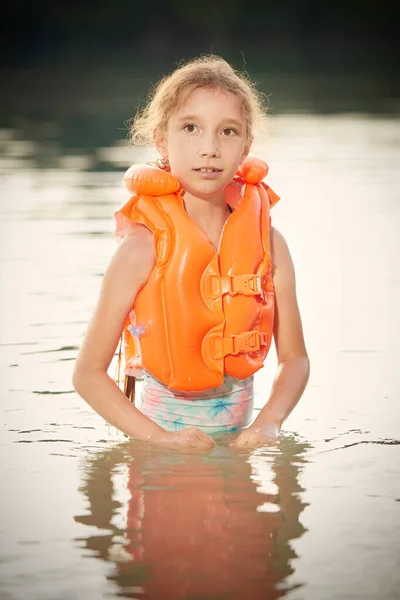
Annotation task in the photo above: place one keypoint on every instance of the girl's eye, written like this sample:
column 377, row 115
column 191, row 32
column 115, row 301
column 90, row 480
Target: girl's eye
column 228, row 131
column 189, row 127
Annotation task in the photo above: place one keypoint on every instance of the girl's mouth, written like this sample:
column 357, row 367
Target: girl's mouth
column 208, row 170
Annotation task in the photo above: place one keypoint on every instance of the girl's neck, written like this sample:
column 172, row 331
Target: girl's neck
column 205, row 206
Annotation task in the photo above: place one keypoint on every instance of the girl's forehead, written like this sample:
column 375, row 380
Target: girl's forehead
column 201, row 99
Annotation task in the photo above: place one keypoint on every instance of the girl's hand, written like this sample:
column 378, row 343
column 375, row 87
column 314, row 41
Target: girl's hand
column 255, row 437
column 188, row 438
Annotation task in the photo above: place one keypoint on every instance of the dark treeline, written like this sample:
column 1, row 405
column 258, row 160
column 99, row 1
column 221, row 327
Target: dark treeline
column 67, row 32
column 88, row 66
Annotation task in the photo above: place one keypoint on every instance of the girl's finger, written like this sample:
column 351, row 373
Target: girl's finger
column 205, row 438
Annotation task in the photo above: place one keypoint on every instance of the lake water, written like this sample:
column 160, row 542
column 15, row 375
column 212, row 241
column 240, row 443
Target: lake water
column 86, row 513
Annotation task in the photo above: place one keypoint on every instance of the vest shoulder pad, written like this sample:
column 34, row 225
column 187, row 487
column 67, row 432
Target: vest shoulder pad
column 147, row 180
column 252, row 170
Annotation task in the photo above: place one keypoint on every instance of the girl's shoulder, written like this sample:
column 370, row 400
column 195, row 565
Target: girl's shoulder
column 139, row 241
column 134, row 257
column 277, row 239
column 280, row 253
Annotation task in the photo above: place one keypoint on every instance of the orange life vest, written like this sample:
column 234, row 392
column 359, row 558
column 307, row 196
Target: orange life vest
column 203, row 313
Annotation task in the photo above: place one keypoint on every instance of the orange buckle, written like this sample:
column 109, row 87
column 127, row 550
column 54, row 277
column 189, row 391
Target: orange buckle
column 246, row 285
column 249, row 341
column 249, row 285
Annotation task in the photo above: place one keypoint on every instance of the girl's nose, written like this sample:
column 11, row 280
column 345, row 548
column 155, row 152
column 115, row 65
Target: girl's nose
column 209, row 149
column 215, row 153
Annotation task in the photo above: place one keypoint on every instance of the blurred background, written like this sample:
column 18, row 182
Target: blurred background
column 73, row 73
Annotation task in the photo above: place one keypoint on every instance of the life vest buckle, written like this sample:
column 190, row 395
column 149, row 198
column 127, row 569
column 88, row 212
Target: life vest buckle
column 246, row 285
column 248, row 341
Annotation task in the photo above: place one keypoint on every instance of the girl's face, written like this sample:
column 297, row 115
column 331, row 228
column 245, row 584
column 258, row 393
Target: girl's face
column 205, row 142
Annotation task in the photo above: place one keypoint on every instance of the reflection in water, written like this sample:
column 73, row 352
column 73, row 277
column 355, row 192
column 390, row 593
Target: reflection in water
column 196, row 525
column 338, row 176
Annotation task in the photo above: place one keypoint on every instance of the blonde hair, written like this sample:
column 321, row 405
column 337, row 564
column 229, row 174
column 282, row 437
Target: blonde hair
column 206, row 71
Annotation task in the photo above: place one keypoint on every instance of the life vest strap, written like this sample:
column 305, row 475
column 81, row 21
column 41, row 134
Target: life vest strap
column 249, row 341
column 246, row 285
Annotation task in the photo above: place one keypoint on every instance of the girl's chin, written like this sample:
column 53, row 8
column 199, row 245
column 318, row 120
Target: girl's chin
column 204, row 188
column 205, row 192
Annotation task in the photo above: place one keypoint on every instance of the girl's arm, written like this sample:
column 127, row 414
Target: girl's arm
column 126, row 274
column 293, row 364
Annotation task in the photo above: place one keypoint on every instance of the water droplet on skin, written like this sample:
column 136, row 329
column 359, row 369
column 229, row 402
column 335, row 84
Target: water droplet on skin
column 136, row 330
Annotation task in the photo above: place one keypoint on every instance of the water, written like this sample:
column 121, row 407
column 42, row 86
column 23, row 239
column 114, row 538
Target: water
column 87, row 514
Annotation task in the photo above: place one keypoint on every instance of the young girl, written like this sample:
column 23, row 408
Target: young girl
column 200, row 281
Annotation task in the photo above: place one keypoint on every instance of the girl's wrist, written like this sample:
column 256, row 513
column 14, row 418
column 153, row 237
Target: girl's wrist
column 267, row 426
column 159, row 437
column 149, row 431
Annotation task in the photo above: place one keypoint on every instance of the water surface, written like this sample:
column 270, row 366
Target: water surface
column 88, row 514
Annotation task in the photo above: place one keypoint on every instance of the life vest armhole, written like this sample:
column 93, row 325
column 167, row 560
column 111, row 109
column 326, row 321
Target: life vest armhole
column 142, row 210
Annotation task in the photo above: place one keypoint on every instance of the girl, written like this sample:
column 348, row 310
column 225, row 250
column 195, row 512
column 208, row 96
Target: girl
column 209, row 279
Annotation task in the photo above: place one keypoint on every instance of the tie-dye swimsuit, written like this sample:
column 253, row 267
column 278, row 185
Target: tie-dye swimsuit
column 222, row 409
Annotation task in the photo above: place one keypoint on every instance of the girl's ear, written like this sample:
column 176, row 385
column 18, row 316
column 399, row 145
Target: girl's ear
column 160, row 143
column 246, row 149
